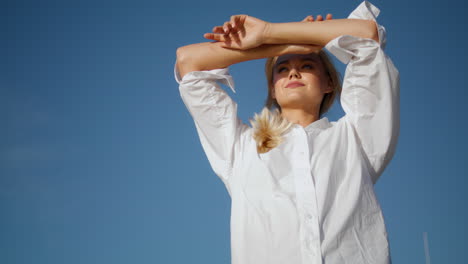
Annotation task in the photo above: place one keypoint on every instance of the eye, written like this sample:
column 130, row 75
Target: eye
column 308, row 66
column 281, row 69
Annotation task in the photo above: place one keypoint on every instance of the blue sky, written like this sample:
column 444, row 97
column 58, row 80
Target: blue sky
column 100, row 161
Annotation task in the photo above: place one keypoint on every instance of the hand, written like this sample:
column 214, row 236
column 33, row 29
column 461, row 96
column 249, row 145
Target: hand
column 242, row 32
column 234, row 33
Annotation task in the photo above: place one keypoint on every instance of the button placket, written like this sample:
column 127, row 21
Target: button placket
column 306, row 196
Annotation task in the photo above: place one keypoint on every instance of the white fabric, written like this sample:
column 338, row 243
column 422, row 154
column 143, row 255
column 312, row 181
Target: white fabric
column 311, row 199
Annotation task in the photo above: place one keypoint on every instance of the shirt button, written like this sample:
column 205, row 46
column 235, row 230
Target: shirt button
column 302, row 152
column 311, row 247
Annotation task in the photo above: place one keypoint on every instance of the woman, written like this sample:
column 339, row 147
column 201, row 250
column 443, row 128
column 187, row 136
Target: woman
column 301, row 187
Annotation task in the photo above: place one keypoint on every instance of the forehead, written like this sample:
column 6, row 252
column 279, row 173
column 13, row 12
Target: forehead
column 297, row 57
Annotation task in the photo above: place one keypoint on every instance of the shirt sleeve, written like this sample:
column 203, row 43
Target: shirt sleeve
column 371, row 91
column 214, row 114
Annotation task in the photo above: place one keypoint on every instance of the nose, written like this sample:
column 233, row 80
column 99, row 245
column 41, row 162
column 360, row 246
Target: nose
column 294, row 73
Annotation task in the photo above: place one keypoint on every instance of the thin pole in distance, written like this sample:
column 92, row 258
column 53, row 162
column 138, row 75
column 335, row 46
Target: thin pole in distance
column 426, row 248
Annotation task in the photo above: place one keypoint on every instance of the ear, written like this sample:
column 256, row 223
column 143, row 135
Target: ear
column 273, row 96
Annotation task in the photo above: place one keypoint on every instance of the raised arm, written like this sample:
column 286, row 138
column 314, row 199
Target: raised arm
column 212, row 55
column 319, row 33
column 246, row 32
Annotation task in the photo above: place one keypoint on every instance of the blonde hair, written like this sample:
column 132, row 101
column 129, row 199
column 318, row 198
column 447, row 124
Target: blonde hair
column 269, row 127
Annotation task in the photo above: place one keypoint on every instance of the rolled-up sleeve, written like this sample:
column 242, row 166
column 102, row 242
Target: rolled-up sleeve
column 214, row 114
column 370, row 95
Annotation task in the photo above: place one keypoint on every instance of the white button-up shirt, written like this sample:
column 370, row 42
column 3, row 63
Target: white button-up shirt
column 311, row 199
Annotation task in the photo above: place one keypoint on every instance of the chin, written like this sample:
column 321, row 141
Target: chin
column 297, row 103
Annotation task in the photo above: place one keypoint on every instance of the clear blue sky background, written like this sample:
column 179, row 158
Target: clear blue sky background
column 100, row 161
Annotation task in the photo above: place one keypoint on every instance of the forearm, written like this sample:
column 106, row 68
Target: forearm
column 210, row 55
column 319, row 32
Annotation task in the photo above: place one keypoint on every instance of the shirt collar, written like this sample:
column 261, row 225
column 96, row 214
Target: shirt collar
column 320, row 124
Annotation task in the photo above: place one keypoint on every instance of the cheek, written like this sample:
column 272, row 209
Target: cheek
column 276, row 85
column 275, row 80
column 278, row 81
column 317, row 81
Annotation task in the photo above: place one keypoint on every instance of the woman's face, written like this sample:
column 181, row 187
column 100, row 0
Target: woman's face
column 300, row 81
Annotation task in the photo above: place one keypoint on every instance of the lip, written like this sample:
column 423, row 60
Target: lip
column 294, row 84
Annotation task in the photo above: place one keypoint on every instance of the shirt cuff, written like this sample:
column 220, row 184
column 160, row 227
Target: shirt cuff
column 219, row 75
column 342, row 46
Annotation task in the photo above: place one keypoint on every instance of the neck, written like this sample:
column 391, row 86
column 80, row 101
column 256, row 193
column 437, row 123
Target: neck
column 301, row 117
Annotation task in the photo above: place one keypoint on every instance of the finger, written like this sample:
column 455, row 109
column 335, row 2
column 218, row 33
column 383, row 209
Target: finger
column 232, row 45
column 301, row 49
column 210, row 36
column 308, row 19
column 215, row 37
column 227, row 27
column 329, row 16
column 240, row 21
column 227, row 43
column 236, row 38
column 319, row 18
column 218, row 29
column 306, row 49
column 237, row 21
column 234, row 22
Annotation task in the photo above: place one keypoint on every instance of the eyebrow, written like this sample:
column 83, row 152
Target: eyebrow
column 305, row 59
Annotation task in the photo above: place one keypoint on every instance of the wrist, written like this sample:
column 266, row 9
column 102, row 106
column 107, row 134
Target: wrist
column 278, row 33
column 267, row 33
